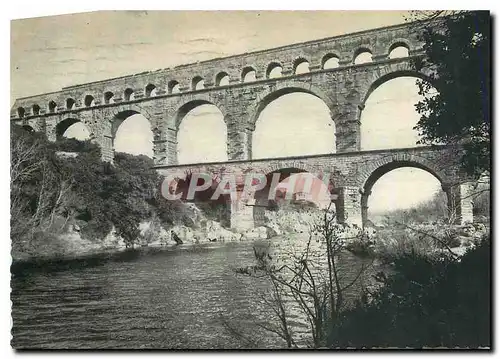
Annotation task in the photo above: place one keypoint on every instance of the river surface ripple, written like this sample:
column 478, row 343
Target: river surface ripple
column 187, row 297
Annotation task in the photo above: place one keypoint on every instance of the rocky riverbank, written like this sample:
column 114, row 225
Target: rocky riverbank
column 381, row 241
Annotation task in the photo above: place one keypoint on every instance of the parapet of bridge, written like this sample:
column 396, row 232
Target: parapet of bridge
column 165, row 96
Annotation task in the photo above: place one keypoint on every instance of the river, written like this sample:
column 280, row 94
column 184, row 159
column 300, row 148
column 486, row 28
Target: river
column 184, row 297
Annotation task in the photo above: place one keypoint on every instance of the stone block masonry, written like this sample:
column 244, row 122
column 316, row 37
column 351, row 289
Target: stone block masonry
column 164, row 97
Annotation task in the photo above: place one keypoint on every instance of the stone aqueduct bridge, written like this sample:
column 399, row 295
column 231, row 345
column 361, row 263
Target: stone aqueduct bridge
column 352, row 175
column 164, row 97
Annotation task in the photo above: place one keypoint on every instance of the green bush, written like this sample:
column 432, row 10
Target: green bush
column 96, row 194
column 428, row 301
column 392, row 243
column 74, row 145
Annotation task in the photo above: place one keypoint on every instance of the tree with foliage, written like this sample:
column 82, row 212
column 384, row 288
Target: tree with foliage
column 427, row 302
column 457, row 48
column 39, row 183
column 50, row 189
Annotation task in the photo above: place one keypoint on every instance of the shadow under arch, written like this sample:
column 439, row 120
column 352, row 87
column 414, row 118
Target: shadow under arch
column 262, row 202
column 63, row 126
column 28, row 128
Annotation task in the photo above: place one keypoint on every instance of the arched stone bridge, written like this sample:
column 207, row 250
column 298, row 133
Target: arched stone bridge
column 352, row 175
column 241, row 86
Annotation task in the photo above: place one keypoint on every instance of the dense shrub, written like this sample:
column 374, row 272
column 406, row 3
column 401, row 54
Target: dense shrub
column 73, row 145
column 428, row 301
column 82, row 188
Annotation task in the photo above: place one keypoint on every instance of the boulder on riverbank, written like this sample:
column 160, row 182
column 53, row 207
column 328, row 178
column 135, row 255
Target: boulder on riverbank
column 255, row 234
column 214, row 232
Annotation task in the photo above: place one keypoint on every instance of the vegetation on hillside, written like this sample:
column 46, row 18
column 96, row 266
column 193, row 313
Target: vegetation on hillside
column 50, row 190
column 434, row 210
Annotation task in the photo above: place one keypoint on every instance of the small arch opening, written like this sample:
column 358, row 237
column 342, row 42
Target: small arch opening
column 274, row 70
column 128, row 94
column 150, row 90
column 70, row 104
column 222, row 79
column 28, row 128
column 363, row 56
column 174, row 87
column 329, row 61
column 108, row 97
column 52, row 107
column 20, row 111
column 198, row 83
column 399, row 50
column 248, row 74
column 89, row 101
column 301, row 67
column 35, row 110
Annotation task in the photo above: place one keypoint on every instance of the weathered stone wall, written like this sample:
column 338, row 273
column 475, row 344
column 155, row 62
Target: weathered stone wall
column 343, row 89
column 346, row 169
column 102, row 106
column 378, row 41
column 352, row 174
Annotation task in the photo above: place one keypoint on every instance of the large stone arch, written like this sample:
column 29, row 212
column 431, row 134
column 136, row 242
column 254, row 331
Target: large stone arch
column 373, row 171
column 269, row 94
column 325, row 172
column 120, row 113
column 285, row 169
column 189, row 101
column 37, row 124
column 188, row 104
column 382, row 74
column 401, row 159
column 279, row 89
column 115, row 118
column 379, row 76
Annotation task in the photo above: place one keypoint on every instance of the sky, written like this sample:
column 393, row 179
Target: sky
column 49, row 53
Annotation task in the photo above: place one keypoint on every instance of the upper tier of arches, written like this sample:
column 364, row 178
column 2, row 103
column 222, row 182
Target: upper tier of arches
column 303, row 63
